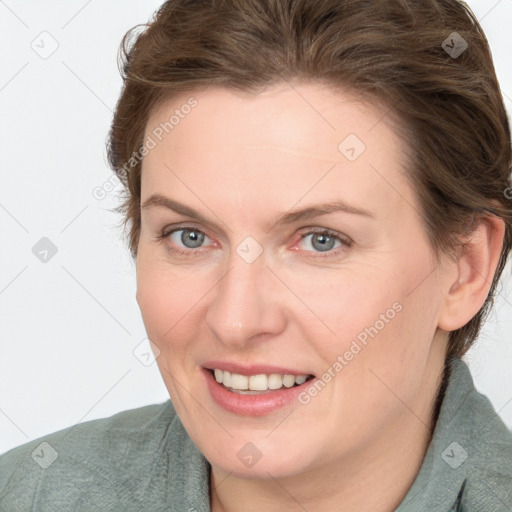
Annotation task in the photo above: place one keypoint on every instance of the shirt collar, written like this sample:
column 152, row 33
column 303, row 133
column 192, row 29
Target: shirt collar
column 468, row 462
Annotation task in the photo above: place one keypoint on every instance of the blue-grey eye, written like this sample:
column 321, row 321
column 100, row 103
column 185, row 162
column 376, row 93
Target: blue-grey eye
column 190, row 238
column 322, row 241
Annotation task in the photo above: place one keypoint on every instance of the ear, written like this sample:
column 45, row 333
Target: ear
column 474, row 273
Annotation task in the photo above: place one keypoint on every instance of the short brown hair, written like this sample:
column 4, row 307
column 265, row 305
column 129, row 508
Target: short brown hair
column 397, row 52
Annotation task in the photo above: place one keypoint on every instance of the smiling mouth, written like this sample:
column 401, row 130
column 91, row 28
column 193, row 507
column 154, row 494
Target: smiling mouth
column 257, row 384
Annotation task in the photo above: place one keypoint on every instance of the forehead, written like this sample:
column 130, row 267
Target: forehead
column 288, row 143
column 308, row 115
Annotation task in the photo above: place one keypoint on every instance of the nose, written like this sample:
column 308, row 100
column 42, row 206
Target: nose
column 247, row 303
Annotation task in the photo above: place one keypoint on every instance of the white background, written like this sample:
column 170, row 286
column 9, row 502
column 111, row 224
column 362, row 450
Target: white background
column 70, row 325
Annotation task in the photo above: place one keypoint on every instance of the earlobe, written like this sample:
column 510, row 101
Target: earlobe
column 475, row 269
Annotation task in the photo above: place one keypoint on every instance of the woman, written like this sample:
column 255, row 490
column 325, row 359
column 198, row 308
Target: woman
column 317, row 195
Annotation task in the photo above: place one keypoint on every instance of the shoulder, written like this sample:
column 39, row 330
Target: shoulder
column 103, row 456
column 484, row 444
column 473, row 444
column 468, row 463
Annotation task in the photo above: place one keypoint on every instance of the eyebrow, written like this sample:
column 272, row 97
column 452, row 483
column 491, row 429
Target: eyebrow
column 289, row 217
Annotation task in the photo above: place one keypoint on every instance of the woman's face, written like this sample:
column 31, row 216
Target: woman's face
column 244, row 284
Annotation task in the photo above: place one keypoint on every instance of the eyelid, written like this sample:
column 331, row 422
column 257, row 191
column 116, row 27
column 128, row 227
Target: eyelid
column 331, row 232
column 169, row 230
column 345, row 240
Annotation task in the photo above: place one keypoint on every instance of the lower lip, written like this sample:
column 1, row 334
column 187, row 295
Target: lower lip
column 252, row 405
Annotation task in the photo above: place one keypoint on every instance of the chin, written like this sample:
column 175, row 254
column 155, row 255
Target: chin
column 253, row 461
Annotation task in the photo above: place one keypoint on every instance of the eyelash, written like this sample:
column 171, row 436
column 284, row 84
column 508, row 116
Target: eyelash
column 345, row 241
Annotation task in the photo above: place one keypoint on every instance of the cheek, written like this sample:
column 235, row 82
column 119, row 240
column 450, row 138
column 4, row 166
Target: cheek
column 170, row 303
column 389, row 369
column 382, row 328
column 346, row 303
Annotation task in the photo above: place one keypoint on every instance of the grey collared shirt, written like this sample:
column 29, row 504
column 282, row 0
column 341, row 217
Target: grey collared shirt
column 144, row 460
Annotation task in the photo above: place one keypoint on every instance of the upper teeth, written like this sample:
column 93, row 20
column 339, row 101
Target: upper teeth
column 257, row 382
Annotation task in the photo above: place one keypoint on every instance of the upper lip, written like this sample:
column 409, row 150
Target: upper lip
column 251, row 369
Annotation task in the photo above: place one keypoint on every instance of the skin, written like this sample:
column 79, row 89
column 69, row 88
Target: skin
column 241, row 160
